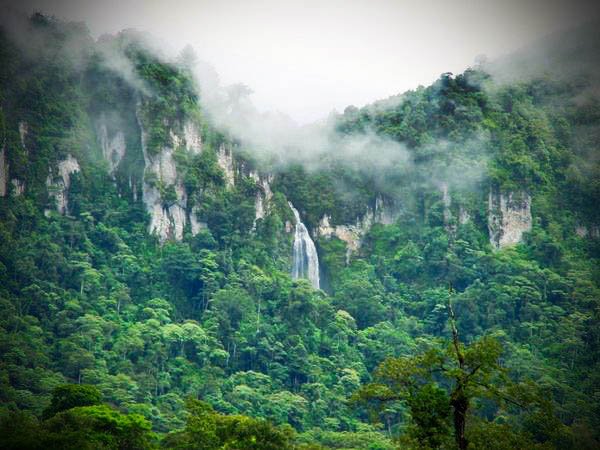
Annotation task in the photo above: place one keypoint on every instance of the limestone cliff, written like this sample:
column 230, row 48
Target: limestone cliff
column 588, row 232
column 447, row 200
column 163, row 191
column 384, row 213
column 351, row 234
column 113, row 147
column 168, row 216
column 453, row 212
column 509, row 216
column 18, row 185
column 463, row 215
column 225, row 161
column 263, row 195
column 58, row 183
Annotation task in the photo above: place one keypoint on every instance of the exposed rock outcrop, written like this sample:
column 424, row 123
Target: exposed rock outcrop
column 385, row 213
column 23, row 132
column 225, row 161
column 18, row 187
column 449, row 214
column 163, row 191
column 463, row 215
column 263, row 195
column 58, row 184
column 447, row 200
column 584, row 231
column 113, row 148
column 288, row 226
column 193, row 139
column 196, row 225
column 352, row 234
column 509, row 216
column 167, row 217
column 134, row 188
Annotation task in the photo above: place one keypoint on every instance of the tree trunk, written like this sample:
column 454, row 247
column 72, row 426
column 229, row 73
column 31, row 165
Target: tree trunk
column 458, row 399
column 258, row 318
column 460, row 404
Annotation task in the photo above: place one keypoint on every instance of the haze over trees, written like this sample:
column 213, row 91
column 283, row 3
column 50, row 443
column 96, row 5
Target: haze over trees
column 146, row 296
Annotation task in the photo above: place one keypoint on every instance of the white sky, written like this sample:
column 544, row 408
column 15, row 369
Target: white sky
column 305, row 58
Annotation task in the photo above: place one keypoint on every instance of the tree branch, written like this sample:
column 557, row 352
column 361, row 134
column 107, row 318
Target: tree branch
column 502, row 396
column 472, row 372
column 455, row 340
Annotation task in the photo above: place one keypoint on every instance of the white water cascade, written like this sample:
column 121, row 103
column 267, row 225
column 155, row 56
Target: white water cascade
column 305, row 258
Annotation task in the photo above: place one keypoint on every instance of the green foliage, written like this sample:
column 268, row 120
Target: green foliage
column 439, row 386
column 97, row 426
column 206, row 429
column 86, row 427
column 69, row 396
column 367, row 439
column 91, row 297
column 430, row 411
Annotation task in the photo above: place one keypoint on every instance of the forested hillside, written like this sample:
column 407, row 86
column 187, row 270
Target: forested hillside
column 152, row 267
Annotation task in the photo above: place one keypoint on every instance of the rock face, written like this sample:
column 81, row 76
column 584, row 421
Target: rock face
column 23, row 132
column 583, row 231
column 509, row 216
column 167, row 219
column 193, row 140
column 463, row 215
column 225, row 161
column 113, row 148
column 195, row 224
column 352, row 234
column 447, row 200
column 58, row 184
column 385, row 214
column 168, row 216
column 18, row 186
column 163, row 191
column 263, row 195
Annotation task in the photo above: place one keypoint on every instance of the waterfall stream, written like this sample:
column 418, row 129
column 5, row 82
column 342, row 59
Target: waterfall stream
column 305, row 258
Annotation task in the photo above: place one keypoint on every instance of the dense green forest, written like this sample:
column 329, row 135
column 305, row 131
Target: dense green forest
column 146, row 296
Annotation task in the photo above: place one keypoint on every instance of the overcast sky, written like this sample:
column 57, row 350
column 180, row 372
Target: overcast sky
column 306, row 58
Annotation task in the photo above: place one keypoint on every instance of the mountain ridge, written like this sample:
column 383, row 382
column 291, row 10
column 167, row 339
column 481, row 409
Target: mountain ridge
column 149, row 253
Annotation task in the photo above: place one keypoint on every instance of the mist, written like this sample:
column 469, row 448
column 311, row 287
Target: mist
column 274, row 131
column 306, row 59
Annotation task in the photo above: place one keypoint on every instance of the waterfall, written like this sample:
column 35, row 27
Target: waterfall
column 305, row 258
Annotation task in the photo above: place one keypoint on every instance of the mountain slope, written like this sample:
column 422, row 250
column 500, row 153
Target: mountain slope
column 149, row 253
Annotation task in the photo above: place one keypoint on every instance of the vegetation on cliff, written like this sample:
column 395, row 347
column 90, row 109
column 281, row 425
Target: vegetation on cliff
column 112, row 339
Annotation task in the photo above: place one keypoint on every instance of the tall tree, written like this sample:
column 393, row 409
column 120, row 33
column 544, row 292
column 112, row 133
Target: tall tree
column 453, row 375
